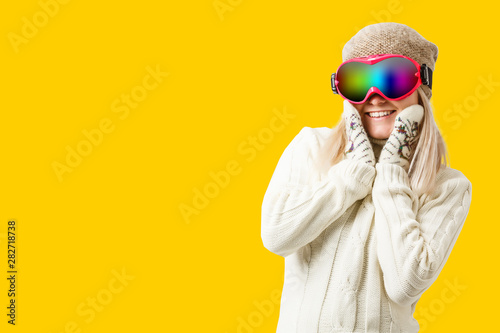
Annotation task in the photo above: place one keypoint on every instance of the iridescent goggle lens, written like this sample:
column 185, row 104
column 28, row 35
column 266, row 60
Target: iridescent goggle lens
column 394, row 77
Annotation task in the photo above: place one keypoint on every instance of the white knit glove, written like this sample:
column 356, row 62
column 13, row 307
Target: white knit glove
column 358, row 146
column 398, row 147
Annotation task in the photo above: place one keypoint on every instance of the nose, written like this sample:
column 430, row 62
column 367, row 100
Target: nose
column 376, row 99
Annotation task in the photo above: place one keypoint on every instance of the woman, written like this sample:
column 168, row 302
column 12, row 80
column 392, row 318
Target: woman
column 366, row 214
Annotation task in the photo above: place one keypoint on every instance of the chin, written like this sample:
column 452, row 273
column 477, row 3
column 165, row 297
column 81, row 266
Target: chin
column 380, row 135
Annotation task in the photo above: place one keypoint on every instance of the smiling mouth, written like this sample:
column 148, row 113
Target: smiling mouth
column 380, row 114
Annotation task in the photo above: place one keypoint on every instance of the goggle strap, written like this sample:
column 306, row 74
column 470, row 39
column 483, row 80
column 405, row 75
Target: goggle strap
column 426, row 75
column 334, row 88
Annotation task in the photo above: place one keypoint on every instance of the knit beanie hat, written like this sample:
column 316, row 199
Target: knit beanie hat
column 392, row 38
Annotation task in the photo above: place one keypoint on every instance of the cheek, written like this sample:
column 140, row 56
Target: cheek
column 410, row 100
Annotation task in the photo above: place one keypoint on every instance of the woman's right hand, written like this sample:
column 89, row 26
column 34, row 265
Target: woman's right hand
column 358, row 146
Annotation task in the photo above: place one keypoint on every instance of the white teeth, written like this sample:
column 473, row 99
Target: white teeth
column 379, row 114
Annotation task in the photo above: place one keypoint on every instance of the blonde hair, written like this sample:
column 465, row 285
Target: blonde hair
column 429, row 153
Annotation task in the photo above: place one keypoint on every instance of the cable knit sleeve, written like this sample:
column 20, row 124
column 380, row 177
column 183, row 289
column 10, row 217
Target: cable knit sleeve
column 297, row 205
column 415, row 239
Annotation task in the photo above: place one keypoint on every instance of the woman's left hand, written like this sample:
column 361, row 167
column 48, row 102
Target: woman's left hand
column 398, row 147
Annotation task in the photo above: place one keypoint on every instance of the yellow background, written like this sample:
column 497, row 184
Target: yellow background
column 228, row 75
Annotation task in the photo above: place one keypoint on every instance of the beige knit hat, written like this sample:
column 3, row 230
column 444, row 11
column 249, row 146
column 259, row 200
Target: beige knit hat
column 394, row 38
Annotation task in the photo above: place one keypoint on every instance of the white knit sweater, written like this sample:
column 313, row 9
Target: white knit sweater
column 360, row 246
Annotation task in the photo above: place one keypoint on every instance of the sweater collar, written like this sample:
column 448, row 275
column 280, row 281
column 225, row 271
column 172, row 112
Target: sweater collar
column 377, row 145
column 378, row 142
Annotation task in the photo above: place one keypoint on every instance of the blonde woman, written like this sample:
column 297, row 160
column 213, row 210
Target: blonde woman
column 366, row 213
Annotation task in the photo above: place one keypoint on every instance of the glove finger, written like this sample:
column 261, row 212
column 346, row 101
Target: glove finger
column 350, row 110
column 412, row 113
column 358, row 145
column 351, row 117
column 407, row 123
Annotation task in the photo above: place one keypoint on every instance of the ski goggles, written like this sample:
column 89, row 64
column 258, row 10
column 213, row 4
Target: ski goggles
column 392, row 76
